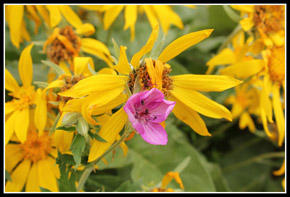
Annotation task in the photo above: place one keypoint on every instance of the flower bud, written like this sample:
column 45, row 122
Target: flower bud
column 70, row 118
column 82, row 126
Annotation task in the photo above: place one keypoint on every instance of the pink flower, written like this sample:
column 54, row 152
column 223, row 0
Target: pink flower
column 145, row 111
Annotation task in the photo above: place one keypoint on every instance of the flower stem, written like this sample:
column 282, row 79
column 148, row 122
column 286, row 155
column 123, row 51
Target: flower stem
column 230, row 37
column 52, row 129
column 88, row 171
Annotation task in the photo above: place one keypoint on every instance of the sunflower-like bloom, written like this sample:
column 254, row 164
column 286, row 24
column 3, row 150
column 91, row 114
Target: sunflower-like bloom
column 51, row 14
column 25, row 100
column 156, row 14
column 166, row 180
column 64, row 44
column 267, row 21
column 100, row 93
column 32, row 164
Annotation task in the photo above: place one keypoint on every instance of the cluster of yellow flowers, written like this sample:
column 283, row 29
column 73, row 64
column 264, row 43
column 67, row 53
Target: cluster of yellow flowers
column 79, row 105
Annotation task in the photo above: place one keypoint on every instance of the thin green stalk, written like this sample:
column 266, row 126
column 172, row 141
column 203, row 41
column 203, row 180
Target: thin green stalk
column 54, row 124
column 230, row 37
column 89, row 170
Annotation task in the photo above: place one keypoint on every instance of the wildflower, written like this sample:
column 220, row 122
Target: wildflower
column 267, row 21
column 166, row 180
column 51, row 14
column 156, row 14
column 102, row 90
column 145, row 111
column 32, row 164
column 25, row 99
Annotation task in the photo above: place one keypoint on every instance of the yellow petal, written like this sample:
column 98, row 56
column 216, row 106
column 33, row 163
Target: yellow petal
column 21, row 124
column 281, row 170
column 81, row 65
column 247, row 121
column 56, row 84
column 200, row 103
column 265, row 124
column 40, row 116
column 169, row 176
column 64, row 67
column 206, row 83
column 24, row 33
column 86, row 29
column 31, row 9
column 244, row 69
column 189, row 117
column 182, row 43
column 111, row 14
column 135, row 61
column 226, row 56
column 95, row 83
column 109, row 132
column 279, row 114
column 266, row 104
column 130, row 16
column 244, row 8
column 25, row 66
column 54, row 14
column 123, row 66
column 15, row 19
column 9, row 126
column 46, row 176
column 32, row 184
column 41, row 9
column 151, row 70
column 247, row 23
column 96, row 48
column 10, row 82
column 13, row 155
column 10, row 107
column 159, row 67
column 70, row 16
column 150, row 13
column 18, row 177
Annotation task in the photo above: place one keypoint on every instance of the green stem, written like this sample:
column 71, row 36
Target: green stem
column 230, row 37
column 54, row 124
column 109, row 35
column 88, row 171
column 252, row 160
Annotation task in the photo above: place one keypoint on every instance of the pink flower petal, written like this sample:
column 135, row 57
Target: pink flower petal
column 154, row 133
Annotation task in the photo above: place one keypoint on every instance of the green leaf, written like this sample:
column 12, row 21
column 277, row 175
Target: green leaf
column 77, row 147
column 96, row 136
column 69, row 129
column 40, row 84
column 44, row 189
column 7, row 176
column 158, row 48
column 116, row 48
column 54, row 66
column 231, row 13
column 182, row 165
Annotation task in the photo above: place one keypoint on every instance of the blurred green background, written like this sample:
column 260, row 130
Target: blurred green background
column 230, row 160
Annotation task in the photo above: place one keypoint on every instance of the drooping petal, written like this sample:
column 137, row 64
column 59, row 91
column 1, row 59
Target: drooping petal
column 247, row 121
column 54, row 14
column 130, row 16
column 279, row 114
column 34, row 16
column 46, row 175
column 22, row 124
column 43, row 13
column 70, row 16
column 182, row 43
column 109, row 132
column 135, row 61
column 25, row 66
column 123, row 66
column 189, row 117
column 244, row 69
column 86, row 29
column 15, row 18
column 10, row 82
column 40, row 116
column 18, row 177
column 150, row 13
column 200, row 103
column 206, row 83
column 226, row 56
column 13, row 155
column 169, row 176
column 111, row 14
column 32, row 184
column 153, row 133
column 95, row 83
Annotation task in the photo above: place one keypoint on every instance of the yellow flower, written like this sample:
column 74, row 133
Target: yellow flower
column 32, row 163
column 244, row 103
column 64, row 44
column 51, row 14
column 25, row 99
column 156, row 14
column 267, row 21
column 166, row 180
column 281, row 172
column 100, row 93
column 237, row 59
column 273, row 80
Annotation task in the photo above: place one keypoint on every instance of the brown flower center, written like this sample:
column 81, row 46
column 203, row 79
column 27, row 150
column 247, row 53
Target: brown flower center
column 65, row 46
column 146, row 81
column 269, row 18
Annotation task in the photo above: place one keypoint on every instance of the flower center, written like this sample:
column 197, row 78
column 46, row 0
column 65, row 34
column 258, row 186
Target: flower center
column 276, row 64
column 142, row 113
column 24, row 98
column 36, row 147
column 65, row 46
column 70, row 81
column 269, row 18
column 146, row 81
